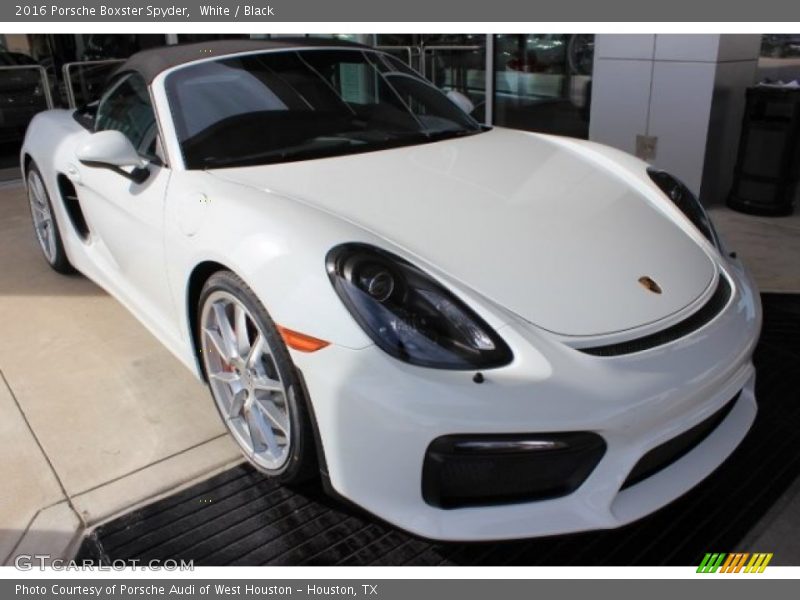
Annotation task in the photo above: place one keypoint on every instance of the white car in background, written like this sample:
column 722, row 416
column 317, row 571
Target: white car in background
column 474, row 333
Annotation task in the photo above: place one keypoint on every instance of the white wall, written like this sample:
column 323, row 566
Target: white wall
column 686, row 90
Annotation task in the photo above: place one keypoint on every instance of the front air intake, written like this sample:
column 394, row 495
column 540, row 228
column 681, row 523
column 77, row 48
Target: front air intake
column 672, row 450
column 489, row 470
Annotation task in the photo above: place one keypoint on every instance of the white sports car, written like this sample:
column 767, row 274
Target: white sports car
column 474, row 333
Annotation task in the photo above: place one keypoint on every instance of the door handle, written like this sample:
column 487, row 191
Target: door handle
column 74, row 175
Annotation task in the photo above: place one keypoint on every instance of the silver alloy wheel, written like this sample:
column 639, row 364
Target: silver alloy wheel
column 42, row 216
column 250, row 393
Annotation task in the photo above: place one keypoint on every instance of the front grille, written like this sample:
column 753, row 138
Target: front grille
column 670, row 451
column 710, row 309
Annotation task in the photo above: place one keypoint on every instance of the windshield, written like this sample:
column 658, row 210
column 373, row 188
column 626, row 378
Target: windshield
column 284, row 106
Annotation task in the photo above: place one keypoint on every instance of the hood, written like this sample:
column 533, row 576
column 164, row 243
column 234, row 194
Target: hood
column 528, row 222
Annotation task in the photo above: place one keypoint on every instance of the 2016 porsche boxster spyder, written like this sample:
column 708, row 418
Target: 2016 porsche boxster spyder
column 473, row 333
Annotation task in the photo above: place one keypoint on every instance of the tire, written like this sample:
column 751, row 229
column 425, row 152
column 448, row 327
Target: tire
column 45, row 224
column 254, row 384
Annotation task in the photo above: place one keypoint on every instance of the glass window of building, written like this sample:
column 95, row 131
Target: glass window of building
column 451, row 61
column 780, row 58
column 543, row 82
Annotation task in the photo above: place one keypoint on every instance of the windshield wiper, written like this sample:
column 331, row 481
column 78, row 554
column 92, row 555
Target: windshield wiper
column 333, row 147
column 434, row 136
column 444, row 134
column 277, row 155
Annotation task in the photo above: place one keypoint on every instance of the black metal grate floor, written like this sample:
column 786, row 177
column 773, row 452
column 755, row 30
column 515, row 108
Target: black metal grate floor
column 241, row 518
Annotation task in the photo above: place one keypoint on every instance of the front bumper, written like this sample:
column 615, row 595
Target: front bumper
column 377, row 417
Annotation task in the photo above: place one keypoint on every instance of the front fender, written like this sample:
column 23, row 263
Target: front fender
column 277, row 246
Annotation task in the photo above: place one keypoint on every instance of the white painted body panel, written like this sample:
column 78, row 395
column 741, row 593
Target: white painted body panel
column 536, row 228
column 52, row 141
column 543, row 237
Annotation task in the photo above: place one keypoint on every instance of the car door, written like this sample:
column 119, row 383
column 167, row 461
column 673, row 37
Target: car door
column 125, row 217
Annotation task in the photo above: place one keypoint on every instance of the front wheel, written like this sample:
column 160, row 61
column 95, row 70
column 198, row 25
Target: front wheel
column 253, row 381
column 44, row 223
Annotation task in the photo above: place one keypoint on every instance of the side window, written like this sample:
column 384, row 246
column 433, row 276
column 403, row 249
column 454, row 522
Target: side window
column 126, row 107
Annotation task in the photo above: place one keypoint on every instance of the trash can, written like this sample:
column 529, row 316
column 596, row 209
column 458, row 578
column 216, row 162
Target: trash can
column 768, row 163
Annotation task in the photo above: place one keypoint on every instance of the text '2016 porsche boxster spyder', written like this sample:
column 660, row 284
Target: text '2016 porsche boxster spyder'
column 474, row 333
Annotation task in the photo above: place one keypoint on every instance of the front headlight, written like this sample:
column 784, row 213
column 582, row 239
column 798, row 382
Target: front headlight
column 685, row 200
column 408, row 314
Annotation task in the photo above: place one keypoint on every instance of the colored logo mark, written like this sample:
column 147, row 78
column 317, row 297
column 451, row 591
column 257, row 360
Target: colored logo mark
column 737, row 562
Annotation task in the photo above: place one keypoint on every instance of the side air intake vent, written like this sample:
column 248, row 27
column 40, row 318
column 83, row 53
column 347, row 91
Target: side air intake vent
column 70, row 198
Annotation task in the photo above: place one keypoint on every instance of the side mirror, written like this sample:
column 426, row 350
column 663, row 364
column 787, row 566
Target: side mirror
column 111, row 149
column 461, row 101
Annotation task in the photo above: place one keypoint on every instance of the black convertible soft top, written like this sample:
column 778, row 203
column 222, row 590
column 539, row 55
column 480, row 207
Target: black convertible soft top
column 149, row 63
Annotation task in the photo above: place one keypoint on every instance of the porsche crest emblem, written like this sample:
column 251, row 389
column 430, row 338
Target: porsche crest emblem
column 649, row 284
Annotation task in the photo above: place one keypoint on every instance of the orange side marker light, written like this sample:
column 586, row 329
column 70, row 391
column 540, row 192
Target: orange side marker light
column 300, row 341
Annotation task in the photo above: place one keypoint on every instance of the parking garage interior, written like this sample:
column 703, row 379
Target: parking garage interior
column 116, row 452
